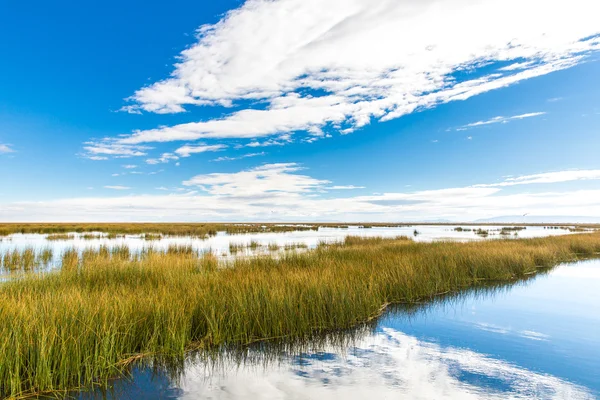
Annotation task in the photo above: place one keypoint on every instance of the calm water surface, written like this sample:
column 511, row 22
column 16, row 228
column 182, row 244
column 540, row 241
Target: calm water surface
column 538, row 339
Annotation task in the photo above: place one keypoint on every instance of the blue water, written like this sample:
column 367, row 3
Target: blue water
column 538, row 339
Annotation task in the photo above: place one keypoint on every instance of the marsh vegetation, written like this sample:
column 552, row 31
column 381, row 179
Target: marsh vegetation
column 203, row 230
column 24, row 260
column 152, row 230
column 105, row 308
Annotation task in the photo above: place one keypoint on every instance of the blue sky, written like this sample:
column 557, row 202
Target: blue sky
column 299, row 110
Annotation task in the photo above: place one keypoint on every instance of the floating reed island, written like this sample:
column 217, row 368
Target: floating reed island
column 86, row 323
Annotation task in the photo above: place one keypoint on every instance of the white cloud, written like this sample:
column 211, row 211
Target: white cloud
column 225, row 158
column 163, row 159
column 500, row 120
column 108, row 147
column 130, row 166
column 348, row 187
column 284, row 192
column 4, row 149
column 187, row 150
column 117, row 187
column 344, row 63
column 279, row 141
column 267, row 180
column 548, row 177
column 97, row 158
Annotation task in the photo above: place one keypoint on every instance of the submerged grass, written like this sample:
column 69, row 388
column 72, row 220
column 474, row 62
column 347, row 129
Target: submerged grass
column 85, row 324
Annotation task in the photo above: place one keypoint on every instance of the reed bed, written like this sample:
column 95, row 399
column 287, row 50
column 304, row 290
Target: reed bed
column 294, row 246
column 151, row 229
column 60, row 236
column 273, row 247
column 24, row 260
column 104, row 309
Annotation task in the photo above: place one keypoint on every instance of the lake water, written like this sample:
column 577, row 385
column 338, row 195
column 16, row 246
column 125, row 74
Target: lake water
column 536, row 339
column 219, row 244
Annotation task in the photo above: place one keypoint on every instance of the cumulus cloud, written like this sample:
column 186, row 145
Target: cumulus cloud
column 259, row 181
column 341, row 64
column 500, row 120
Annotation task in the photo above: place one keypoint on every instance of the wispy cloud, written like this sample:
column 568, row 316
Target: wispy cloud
column 347, row 187
column 343, row 51
column 110, row 147
column 282, row 140
column 129, row 166
column 500, row 120
column 548, row 177
column 5, row 149
column 225, row 158
column 163, row 159
column 117, row 187
column 187, row 150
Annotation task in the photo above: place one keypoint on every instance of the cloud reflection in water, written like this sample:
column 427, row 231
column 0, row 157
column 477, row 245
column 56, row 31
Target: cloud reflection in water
column 388, row 364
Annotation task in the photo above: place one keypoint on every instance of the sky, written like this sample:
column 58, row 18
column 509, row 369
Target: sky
column 299, row 110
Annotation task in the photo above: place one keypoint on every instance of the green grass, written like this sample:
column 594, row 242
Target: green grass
column 85, row 324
